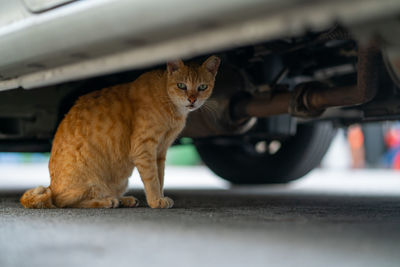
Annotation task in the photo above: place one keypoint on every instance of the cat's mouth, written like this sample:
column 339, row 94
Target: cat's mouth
column 191, row 107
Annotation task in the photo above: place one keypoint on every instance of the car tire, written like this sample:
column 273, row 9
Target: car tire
column 297, row 156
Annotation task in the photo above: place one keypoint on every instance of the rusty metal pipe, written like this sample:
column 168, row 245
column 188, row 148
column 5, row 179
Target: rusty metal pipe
column 364, row 91
column 261, row 105
column 311, row 99
column 332, row 97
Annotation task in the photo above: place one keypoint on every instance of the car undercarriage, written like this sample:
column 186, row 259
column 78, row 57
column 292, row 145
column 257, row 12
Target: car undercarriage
column 277, row 99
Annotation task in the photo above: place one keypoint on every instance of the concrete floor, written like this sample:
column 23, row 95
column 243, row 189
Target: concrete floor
column 328, row 219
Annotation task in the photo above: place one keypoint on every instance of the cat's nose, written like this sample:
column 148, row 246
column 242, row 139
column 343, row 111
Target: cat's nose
column 192, row 99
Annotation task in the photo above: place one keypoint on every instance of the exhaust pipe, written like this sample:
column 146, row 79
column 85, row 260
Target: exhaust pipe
column 312, row 98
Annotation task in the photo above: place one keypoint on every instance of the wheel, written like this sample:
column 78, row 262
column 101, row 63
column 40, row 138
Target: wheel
column 242, row 163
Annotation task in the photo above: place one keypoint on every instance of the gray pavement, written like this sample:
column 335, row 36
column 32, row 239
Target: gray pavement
column 259, row 226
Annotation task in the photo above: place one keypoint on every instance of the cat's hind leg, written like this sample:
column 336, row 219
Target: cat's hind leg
column 68, row 197
column 98, row 196
column 93, row 196
column 109, row 202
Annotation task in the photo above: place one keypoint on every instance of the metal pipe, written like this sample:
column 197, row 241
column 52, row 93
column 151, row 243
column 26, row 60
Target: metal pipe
column 367, row 84
column 311, row 99
column 261, row 105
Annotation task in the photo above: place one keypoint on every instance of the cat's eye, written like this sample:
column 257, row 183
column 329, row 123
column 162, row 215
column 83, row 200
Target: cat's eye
column 202, row 87
column 181, row 86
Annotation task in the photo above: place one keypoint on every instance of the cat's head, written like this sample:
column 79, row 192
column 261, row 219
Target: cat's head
column 190, row 86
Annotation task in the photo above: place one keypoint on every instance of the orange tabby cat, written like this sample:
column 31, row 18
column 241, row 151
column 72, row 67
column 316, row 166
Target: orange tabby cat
column 109, row 132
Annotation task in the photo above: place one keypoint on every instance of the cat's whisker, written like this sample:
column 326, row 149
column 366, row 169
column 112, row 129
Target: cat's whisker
column 207, row 108
column 212, row 104
column 213, row 111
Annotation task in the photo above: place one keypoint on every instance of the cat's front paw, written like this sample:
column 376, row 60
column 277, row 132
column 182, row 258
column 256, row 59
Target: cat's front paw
column 129, row 202
column 111, row 202
column 162, row 203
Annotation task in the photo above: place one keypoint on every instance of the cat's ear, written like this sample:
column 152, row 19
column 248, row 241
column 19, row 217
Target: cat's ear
column 174, row 65
column 212, row 64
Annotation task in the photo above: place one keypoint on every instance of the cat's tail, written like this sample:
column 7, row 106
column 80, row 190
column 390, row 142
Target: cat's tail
column 37, row 198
